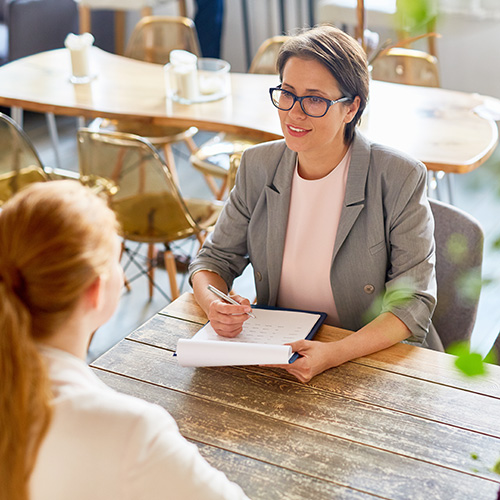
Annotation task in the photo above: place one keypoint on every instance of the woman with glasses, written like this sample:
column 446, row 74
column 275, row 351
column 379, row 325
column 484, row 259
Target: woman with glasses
column 64, row 434
column 329, row 221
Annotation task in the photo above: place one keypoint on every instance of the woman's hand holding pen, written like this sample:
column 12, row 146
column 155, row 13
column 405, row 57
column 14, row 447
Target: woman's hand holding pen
column 227, row 319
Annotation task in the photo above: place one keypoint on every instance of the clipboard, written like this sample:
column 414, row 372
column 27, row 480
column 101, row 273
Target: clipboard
column 261, row 341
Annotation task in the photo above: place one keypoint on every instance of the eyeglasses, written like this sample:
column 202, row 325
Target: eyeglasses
column 311, row 105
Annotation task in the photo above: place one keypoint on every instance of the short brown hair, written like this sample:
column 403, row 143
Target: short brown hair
column 341, row 54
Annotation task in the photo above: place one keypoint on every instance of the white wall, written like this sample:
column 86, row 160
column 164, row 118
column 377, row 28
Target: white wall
column 469, row 54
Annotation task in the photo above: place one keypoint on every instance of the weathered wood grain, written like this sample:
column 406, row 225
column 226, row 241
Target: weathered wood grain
column 307, row 452
column 270, row 482
column 401, row 358
column 321, row 409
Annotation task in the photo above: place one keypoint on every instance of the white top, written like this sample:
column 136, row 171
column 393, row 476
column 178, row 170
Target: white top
column 313, row 219
column 103, row 445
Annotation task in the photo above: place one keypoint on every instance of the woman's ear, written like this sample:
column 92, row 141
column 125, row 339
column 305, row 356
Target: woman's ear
column 94, row 293
column 352, row 109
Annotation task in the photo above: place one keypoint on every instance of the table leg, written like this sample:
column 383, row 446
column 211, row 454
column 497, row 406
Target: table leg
column 17, row 115
column 84, row 18
column 182, row 8
column 119, row 32
column 282, row 16
column 54, row 137
column 246, row 32
column 312, row 14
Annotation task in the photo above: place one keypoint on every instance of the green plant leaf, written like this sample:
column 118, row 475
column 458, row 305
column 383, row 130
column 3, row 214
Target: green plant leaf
column 413, row 15
column 469, row 363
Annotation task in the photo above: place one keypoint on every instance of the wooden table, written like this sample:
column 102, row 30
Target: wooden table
column 399, row 424
column 437, row 126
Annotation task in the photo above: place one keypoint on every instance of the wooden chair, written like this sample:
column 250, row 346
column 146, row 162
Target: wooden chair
column 407, row 66
column 459, row 255
column 152, row 40
column 213, row 157
column 143, row 193
column 20, row 164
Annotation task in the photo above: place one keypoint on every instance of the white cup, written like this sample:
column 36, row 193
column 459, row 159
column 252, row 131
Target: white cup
column 79, row 49
column 181, row 75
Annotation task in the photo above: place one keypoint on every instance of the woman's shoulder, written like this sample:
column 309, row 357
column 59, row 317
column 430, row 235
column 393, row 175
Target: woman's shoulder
column 268, row 151
column 277, row 146
column 261, row 164
column 387, row 158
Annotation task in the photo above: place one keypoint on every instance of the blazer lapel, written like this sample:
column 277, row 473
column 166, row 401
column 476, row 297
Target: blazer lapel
column 354, row 200
column 278, row 203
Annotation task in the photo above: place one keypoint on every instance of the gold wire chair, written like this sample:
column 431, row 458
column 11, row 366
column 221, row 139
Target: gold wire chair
column 213, row 157
column 407, row 66
column 142, row 192
column 152, row 40
column 20, row 164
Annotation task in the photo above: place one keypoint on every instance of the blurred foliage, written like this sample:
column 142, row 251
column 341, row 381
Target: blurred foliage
column 496, row 243
column 469, row 284
column 414, row 16
column 470, row 363
column 394, row 296
column 457, row 248
column 496, row 467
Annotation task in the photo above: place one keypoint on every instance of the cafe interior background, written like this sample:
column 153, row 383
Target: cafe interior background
column 468, row 52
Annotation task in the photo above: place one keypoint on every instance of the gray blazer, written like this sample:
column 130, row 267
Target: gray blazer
column 383, row 258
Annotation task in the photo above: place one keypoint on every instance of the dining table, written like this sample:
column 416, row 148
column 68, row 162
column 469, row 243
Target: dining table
column 445, row 129
column 403, row 423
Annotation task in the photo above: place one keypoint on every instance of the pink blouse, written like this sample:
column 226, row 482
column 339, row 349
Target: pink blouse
column 313, row 219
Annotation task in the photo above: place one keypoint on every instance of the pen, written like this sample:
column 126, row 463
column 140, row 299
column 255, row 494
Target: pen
column 227, row 298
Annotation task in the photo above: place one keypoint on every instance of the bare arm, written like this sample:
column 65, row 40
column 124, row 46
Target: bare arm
column 226, row 319
column 316, row 357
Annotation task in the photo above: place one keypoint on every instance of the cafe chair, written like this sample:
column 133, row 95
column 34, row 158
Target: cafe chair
column 141, row 190
column 459, row 255
column 213, row 157
column 20, row 164
column 264, row 61
column 412, row 67
column 406, row 66
column 152, row 40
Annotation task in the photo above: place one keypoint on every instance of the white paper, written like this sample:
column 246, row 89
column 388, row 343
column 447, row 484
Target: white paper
column 260, row 342
column 214, row 353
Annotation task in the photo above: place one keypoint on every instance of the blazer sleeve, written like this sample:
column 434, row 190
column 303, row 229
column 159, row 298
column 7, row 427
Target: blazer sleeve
column 410, row 290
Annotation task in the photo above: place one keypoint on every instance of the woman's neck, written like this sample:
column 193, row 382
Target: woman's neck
column 73, row 337
column 312, row 166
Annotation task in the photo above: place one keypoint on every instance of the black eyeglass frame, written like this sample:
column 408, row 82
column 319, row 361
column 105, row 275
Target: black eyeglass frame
column 329, row 102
